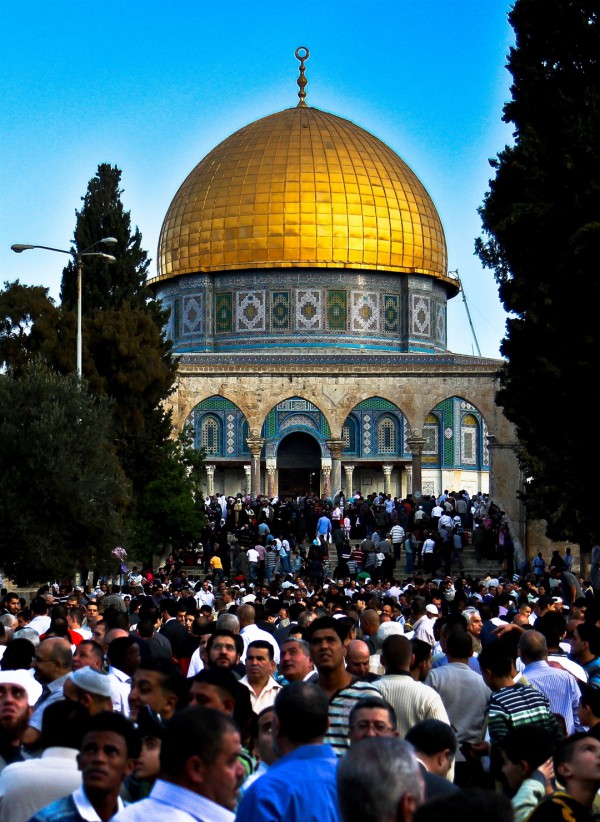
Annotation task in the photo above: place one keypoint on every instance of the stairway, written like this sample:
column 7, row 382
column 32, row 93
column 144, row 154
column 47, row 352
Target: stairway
column 471, row 566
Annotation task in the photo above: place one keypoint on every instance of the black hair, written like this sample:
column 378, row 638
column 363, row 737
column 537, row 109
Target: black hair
column 64, row 724
column 302, row 709
column 431, row 736
column 496, row 657
column 459, row 644
column 373, row 702
column 19, row 654
column 262, row 645
column 239, row 642
column 528, row 743
column 114, row 722
column 194, row 731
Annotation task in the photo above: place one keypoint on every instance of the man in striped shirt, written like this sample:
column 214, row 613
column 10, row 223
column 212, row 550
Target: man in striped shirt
column 343, row 690
column 558, row 685
column 510, row 706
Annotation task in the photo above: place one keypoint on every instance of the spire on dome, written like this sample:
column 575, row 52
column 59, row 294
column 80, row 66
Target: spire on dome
column 302, row 54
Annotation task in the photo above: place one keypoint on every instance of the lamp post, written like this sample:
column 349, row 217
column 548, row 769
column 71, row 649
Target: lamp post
column 18, row 248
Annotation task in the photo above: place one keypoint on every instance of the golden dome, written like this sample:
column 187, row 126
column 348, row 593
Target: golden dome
column 302, row 189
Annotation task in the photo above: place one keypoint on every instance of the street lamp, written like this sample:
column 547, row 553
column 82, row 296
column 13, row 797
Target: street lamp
column 18, row 248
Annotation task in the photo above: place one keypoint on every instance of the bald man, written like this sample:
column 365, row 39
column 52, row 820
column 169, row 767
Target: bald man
column 249, row 631
column 53, row 661
column 358, row 659
column 557, row 685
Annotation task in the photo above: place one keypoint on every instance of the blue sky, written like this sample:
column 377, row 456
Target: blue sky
column 152, row 86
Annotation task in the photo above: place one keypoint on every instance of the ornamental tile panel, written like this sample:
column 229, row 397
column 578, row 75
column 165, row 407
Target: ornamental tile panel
column 280, row 311
column 391, row 314
column 250, row 311
column 193, row 314
column 364, row 311
column 224, row 313
column 336, row 310
column 440, row 326
column 421, row 315
column 309, row 309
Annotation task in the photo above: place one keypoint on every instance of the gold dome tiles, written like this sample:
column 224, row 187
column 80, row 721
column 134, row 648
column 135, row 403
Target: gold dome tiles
column 302, row 188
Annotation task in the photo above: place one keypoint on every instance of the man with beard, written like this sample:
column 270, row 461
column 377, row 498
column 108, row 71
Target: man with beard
column 18, row 694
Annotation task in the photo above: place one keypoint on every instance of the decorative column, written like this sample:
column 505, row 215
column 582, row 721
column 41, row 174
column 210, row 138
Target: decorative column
column 387, row 478
column 210, row 479
column 416, row 443
column 349, row 471
column 255, row 445
column 326, row 469
column 409, row 481
column 271, row 469
column 247, row 480
column 335, row 449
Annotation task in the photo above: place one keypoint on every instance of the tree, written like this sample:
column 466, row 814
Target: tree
column 62, row 491
column 126, row 354
column 31, row 325
column 541, row 216
column 171, row 509
column 105, row 285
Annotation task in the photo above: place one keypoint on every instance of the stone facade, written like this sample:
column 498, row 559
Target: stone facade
column 336, row 385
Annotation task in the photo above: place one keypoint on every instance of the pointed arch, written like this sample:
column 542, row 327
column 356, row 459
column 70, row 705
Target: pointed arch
column 220, row 428
column 461, row 435
column 294, row 414
column 380, row 429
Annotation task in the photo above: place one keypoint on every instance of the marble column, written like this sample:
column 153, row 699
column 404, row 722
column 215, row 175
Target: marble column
column 387, row 478
column 326, row 469
column 247, row 478
column 335, row 449
column 416, row 443
column 349, row 471
column 408, row 470
column 255, row 445
column 210, row 479
column 271, row 469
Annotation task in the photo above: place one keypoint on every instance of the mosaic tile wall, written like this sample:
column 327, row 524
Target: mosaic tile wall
column 456, row 436
column 235, row 312
column 365, row 430
column 455, row 431
column 231, row 425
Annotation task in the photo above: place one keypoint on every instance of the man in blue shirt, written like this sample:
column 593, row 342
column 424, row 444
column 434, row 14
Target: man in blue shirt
column 300, row 786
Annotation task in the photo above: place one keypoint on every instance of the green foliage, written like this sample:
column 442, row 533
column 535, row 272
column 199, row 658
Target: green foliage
column 171, row 509
column 31, row 325
column 542, row 221
column 127, row 360
column 62, row 490
column 106, row 285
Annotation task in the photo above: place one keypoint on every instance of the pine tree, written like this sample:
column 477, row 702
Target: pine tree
column 106, row 285
column 126, row 354
column 542, row 221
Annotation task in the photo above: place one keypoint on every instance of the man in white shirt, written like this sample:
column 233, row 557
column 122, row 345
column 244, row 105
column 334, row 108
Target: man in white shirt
column 422, row 623
column 27, row 787
column 108, row 754
column 250, row 631
column 253, row 560
column 205, row 596
column 200, row 771
column 260, row 667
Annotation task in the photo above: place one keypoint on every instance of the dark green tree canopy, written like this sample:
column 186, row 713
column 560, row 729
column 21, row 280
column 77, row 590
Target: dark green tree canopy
column 106, row 285
column 62, row 490
column 542, row 221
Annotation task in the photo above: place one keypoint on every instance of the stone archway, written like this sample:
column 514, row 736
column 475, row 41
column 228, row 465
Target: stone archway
column 298, row 464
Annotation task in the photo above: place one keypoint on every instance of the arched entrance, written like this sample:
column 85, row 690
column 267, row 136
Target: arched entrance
column 298, row 464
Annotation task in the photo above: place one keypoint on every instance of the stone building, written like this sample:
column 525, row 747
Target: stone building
column 305, row 267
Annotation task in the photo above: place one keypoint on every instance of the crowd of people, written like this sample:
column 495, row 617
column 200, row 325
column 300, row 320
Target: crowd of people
column 309, row 659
